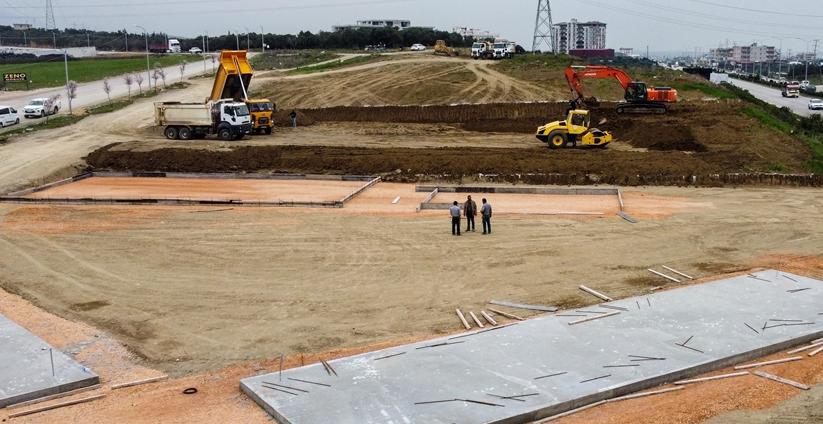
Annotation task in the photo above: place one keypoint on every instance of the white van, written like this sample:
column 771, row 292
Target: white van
column 8, row 116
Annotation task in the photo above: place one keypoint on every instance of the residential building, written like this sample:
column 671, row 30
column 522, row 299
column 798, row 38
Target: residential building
column 475, row 33
column 745, row 54
column 400, row 24
column 576, row 35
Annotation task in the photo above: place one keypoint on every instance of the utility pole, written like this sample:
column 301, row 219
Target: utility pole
column 127, row 40
column 262, row 40
column 148, row 68
column 207, row 41
column 50, row 22
column 204, row 53
column 53, row 40
column 543, row 28
column 237, row 41
column 88, row 39
column 66, row 65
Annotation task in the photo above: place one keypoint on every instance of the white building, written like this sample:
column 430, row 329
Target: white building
column 475, row 33
column 745, row 54
column 400, row 24
column 576, row 35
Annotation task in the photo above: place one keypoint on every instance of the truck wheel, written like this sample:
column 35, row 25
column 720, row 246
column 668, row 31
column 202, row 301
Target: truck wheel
column 184, row 133
column 225, row 134
column 557, row 140
column 171, row 133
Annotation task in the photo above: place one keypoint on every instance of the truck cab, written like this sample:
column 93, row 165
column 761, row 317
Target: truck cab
column 480, row 49
column 262, row 112
column 504, row 50
column 791, row 90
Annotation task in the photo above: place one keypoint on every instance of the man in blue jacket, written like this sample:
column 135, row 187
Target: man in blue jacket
column 454, row 211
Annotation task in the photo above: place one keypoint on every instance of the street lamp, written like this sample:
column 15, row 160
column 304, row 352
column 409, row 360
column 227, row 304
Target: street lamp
column 148, row 67
column 247, row 39
column 237, row 40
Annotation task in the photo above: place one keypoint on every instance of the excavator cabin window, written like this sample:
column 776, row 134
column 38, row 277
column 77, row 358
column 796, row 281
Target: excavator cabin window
column 636, row 92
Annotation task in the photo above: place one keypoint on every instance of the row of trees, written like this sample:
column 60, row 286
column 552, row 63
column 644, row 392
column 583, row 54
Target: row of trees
column 158, row 73
column 125, row 41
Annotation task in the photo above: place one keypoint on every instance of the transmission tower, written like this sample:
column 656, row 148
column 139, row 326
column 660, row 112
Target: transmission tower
column 50, row 23
column 543, row 33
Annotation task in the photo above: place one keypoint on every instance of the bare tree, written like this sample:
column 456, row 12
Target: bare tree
column 71, row 92
column 138, row 78
column 129, row 80
column 155, row 75
column 162, row 73
column 107, row 88
column 182, row 71
column 53, row 100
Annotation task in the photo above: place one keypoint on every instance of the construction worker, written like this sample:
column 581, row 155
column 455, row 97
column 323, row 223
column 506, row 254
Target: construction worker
column 293, row 116
column 470, row 210
column 486, row 211
column 454, row 211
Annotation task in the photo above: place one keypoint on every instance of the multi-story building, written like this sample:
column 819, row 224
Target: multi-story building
column 576, row 35
column 475, row 33
column 745, row 54
column 376, row 23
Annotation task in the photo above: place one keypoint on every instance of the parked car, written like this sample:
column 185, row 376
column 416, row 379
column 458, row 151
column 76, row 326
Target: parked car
column 195, row 50
column 8, row 116
column 39, row 108
column 815, row 104
column 418, row 47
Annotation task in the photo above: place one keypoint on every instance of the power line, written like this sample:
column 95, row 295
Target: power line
column 749, row 9
column 651, row 4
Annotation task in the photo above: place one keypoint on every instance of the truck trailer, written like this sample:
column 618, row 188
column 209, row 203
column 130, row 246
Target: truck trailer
column 228, row 119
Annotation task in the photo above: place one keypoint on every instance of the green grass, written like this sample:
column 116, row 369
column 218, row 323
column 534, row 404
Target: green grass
column 707, row 89
column 122, row 103
column 52, row 74
column 53, row 122
column 814, row 139
column 335, row 65
column 291, row 59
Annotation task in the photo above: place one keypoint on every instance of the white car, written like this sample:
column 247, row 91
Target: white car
column 195, row 50
column 815, row 104
column 39, row 108
column 418, row 47
column 8, row 116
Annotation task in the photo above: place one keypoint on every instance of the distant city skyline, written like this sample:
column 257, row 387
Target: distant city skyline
column 666, row 26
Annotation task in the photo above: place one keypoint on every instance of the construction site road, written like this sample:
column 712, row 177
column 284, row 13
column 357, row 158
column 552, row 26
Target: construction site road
column 772, row 95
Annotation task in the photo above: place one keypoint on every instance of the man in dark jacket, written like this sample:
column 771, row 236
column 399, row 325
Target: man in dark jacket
column 470, row 211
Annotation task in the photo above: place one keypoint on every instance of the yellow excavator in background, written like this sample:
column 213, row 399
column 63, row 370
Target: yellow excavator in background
column 232, row 82
column 440, row 48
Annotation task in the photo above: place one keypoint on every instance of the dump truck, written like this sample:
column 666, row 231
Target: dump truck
column 228, row 119
column 504, row 49
column 482, row 50
column 232, row 82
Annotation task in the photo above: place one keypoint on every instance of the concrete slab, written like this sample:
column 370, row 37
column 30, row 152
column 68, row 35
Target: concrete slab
column 26, row 370
column 660, row 338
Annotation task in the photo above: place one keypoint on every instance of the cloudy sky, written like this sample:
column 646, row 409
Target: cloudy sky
column 663, row 25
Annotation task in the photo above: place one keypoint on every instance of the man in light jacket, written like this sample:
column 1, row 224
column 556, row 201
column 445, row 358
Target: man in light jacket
column 454, row 211
column 470, row 211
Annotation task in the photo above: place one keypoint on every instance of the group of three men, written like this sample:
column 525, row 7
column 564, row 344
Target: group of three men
column 470, row 211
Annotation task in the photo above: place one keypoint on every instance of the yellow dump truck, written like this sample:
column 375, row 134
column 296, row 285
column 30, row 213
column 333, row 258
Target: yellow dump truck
column 232, row 82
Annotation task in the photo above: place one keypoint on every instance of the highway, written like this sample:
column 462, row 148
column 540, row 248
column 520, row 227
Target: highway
column 772, row 95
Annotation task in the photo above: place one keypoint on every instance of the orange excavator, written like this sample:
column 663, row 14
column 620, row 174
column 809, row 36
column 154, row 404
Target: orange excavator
column 639, row 97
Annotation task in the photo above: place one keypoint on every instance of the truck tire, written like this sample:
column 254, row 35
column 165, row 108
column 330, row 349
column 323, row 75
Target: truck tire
column 171, row 133
column 557, row 140
column 225, row 134
column 184, row 133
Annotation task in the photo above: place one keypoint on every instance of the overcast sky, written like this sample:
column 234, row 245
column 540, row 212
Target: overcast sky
column 663, row 25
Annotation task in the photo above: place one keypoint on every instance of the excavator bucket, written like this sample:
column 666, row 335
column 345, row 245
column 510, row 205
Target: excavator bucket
column 233, row 76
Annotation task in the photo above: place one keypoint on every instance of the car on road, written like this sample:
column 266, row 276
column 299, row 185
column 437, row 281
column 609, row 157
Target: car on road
column 195, row 50
column 8, row 116
column 418, row 47
column 815, row 104
column 39, row 108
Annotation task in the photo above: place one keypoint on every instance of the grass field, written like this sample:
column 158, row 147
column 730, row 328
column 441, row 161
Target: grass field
column 53, row 74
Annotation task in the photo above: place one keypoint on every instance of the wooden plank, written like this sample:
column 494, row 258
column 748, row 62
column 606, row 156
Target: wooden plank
column 580, row 321
column 712, row 378
column 139, row 382
column 781, row 380
column 763, row 364
column 573, row 411
column 816, row 351
column 476, row 321
column 55, row 406
column 644, row 394
column 542, row 308
column 668, row 277
column 804, row 348
column 597, row 294
column 506, row 314
column 53, row 397
column 463, row 319
column 678, row 272
column 817, row 341
column 488, row 318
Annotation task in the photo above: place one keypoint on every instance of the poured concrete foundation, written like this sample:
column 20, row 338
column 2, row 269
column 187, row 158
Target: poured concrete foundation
column 459, row 379
column 26, row 371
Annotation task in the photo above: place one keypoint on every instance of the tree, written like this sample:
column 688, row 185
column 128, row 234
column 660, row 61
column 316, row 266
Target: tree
column 156, row 75
column 107, row 88
column 182, row 70
column 162, row 73
column 138, row 78
column 129, row 80
column 71, row 92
